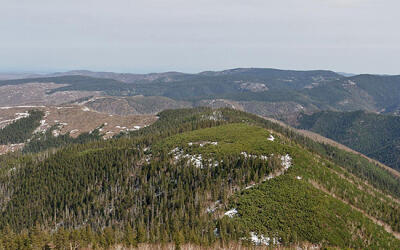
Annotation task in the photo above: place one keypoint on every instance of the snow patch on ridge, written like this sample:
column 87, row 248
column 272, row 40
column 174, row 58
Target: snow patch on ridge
column 262, row 240
column 203, row 143
column 247, row 155
column 17, row 117
column 231, row 213
column 286, row 161
column 196, row 160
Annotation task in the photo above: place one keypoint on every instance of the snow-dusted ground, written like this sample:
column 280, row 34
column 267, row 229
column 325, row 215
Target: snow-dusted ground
column 248, row 187
column 42, row 127
column 56, row 133
column 22, row 107
column 202, row 144
column 247, row 155
column 17, row 117
column 262, row 240
column 286, row 161
column 231, row 213
column 216, row 116
column 196, row 160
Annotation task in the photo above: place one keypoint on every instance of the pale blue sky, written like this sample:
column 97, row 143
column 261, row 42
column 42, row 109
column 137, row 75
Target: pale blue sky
column 153, row 35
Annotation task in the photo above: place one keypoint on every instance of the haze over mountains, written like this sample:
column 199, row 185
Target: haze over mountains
column 151, row 165
column 269, row 92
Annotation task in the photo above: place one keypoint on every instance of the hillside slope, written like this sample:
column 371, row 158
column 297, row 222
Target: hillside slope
column 375, row 135
column 199, row 176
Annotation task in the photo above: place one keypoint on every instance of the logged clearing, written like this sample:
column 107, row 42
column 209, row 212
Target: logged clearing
column 75, row 119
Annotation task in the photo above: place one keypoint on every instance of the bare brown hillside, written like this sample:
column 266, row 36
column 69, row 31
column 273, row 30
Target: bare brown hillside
column 75, row 119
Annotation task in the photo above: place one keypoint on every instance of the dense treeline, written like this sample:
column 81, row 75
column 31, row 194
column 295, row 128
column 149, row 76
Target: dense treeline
column 132, row 189
column 22, row 129
column 106, row 187
column 375, row 135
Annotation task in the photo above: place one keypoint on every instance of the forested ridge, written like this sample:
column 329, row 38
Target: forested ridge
column 375, row 135
column 174, row 180
column 21, row 130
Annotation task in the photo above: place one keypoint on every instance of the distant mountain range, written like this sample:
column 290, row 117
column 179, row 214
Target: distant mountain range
column 285, row 95
column 255, row 89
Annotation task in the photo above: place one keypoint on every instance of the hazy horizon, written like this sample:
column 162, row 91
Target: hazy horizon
column 356, row 36
column 156, row 72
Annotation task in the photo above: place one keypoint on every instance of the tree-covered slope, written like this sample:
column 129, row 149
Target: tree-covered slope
column 199, row 176
column 21, row 129
column 375, row 135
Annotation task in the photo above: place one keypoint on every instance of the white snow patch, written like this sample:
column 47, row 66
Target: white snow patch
column 216, row 116
column 196, row 160
column 85, row 109
column 64, row 107
column 271, row 138
column 17, row 117
column 262, row 240
column 231, row 213
column 42, row 127
column 247, row 155
column 286, row 161
column 299, row 177
column 56, row 133
column 204, row 143
column 21, row 115
column 6, row 107
column 248, row 187
column 175, row 150
column 350, row 82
